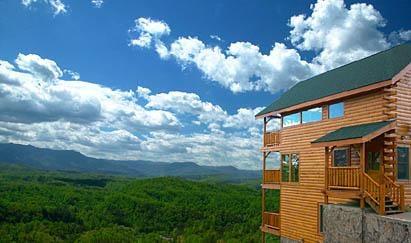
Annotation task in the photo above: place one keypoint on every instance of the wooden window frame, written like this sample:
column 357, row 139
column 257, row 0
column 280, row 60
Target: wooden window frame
column 329, row 113
column 289, row 166
column 341, row 148
column 409, row 162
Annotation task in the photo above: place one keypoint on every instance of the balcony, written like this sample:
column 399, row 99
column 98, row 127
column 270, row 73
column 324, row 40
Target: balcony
column 271, row 140
column 271, row 223
column 271, row 179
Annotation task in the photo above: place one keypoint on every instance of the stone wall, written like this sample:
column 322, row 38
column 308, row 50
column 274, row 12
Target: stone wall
column 351, row 224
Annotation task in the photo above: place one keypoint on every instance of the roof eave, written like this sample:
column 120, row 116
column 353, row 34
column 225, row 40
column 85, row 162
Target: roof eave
column 350, row 141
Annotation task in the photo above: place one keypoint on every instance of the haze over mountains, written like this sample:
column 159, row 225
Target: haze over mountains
column 68, row 160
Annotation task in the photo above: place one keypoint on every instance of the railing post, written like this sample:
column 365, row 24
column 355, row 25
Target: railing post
column 382, row 198
column 402, row 202
column 327, row 157
column 362, row 171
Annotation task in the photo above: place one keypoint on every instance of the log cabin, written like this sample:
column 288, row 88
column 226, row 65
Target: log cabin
column 344, row 137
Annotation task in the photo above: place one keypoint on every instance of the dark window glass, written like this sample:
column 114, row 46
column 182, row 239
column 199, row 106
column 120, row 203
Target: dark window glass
column 341, row 157
column 320, row 218
column 312, row 115
column 373, row 161
column 295, row 167
column 336, row 110
column 403, row 162
column 285, row 167
column 291, row 120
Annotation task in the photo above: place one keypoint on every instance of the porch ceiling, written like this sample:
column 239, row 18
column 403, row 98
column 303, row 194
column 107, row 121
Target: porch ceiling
column 354, row 134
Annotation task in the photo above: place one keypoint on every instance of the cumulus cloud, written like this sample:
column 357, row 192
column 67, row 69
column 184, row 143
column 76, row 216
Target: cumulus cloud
column 335, row 33
column 39, row 107
column 57, row 6
column 45, row 69
column 341, row 34
column 97, row 3
column 32, row 92
column 150, row 31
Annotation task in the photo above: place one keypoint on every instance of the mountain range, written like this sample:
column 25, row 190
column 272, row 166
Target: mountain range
column 69, row 160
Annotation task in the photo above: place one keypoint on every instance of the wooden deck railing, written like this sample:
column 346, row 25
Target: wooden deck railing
column 271, row 139
column 272, row 176
column 371, row 189
column 344, row 177
column 395, row 192
column 271, row 220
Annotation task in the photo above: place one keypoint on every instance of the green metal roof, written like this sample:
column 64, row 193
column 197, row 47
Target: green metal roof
column 370, row 70
column 352, row 132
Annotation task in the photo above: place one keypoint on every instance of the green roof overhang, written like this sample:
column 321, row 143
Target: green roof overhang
column 354, row 134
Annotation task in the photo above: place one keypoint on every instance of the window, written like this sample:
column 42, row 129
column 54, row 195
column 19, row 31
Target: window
column 291, row 120
column 320, row 218
column 295, row 165
column 403, row 162
column 336, row 110
column 373, row 161
column 290, row 167
column 312, row 115
column 341, row 156
column 285, row 167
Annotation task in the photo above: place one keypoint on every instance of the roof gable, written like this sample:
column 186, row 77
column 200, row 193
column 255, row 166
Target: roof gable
column 367, row 71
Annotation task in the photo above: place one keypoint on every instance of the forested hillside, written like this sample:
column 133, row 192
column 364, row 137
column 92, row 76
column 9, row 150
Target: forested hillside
column 38, row 206
column 69, row 160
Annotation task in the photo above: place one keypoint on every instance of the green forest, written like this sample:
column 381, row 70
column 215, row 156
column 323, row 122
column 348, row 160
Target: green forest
column 40, row 206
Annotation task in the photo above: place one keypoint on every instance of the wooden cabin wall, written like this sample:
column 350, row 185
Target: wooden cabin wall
column 299, row 201
column 404, row 121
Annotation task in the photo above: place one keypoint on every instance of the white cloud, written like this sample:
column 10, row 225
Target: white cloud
column 57, row 5
column 183, row 103
column 39, row 95
column 335, row 33
column 340, row 34
column 216, row 37
column 73, row 75
column 149, row 31
column 400, row 36
column 38, row 107
column 43, row 68
column 97, row 3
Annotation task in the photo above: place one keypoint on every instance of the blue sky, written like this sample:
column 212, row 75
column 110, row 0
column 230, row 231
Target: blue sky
column 97, row 43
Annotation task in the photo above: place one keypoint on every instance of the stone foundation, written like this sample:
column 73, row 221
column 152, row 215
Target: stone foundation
column 351, row 224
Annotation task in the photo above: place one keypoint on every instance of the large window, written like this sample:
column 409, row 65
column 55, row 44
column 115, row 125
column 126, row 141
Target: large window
column 341, row 156
column 285, row 167
column 295, row 167
column 403, row 163
column 312, row 115
column 290, row 167
column 336, row 110
column 292, row 119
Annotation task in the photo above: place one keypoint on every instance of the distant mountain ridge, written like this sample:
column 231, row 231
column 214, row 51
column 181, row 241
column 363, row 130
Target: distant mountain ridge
column 69, row 160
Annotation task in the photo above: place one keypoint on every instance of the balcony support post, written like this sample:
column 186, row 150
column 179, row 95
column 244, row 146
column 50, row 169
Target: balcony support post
column 362, row 165
column 327, row 158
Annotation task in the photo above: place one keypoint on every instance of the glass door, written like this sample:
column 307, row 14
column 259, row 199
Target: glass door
column 403, row 167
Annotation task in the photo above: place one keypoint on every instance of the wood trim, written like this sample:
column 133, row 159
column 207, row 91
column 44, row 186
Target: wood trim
column 338, row 143
column 329, row 98
column 399, row 75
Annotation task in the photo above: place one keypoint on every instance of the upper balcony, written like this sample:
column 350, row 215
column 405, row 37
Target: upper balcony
column 271, row 141
column 271, row 179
